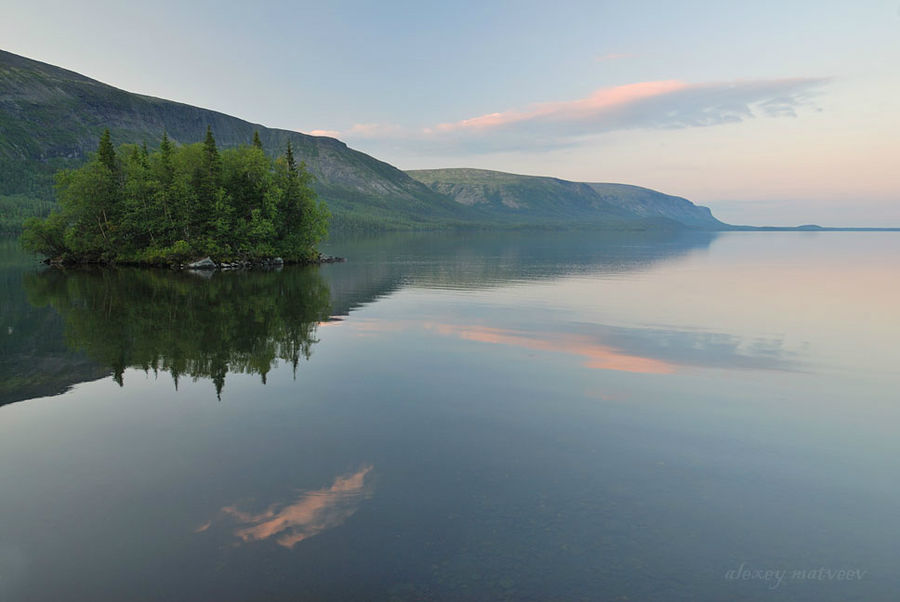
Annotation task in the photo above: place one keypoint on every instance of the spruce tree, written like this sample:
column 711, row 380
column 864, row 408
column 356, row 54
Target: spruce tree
column 209, row 194
column 210, row 152
column 108, row 194
column 166, row 179
column 106, row 153
column 289, row 157
column 290, row 209
column 165, row 161
column 256, row 141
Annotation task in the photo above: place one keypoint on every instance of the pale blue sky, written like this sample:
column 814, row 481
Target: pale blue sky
column 769, row 112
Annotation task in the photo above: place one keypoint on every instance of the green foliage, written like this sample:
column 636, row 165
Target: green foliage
column 17, row 208
column 46, row 235
column 133, row 206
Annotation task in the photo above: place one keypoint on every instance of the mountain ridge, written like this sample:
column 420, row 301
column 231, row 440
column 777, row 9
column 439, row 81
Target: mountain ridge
column 52, row 118
column 551, row 197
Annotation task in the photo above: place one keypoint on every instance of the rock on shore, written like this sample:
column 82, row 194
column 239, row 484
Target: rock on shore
column 207, row 263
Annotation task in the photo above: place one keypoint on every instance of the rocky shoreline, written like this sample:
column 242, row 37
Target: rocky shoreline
column 208, row 264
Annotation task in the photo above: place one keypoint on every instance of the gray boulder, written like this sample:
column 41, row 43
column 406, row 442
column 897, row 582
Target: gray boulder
column 204, row 264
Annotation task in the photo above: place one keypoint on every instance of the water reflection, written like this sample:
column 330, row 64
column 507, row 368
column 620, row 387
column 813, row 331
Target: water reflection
column 34, row 358
column 695, row 348
column 72, row 326
column 188, row 326
column 581, row 425
column 310, row 514
column 598, row 355
column 379, row 265
column 641, row 350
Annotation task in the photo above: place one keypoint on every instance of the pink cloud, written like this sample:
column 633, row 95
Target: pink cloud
column 601, row 100
column 328, row 133
column 663, row 104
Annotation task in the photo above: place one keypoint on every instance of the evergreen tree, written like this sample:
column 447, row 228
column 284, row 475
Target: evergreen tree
column 207, row 190
column 106, row 153
column 140, row 222
column 92, row 197
column 302, row 221
column 165, row 149
column 256, row 141
column 210, row 152
column 165, row 176
column 289, row 158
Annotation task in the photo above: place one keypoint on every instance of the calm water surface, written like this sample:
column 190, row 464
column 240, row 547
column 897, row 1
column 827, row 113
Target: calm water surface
column 522, row 416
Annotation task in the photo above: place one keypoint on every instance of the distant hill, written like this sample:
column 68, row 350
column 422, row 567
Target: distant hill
column 536, row 198
column 52, row 118
column 644, row 202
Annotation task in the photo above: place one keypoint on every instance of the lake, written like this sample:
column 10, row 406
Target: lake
column 448, row 416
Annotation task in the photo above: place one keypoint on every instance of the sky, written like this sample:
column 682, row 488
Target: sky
column 770, row 113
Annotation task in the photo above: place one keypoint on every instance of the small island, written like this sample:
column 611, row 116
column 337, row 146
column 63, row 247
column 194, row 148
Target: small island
column 178, row 204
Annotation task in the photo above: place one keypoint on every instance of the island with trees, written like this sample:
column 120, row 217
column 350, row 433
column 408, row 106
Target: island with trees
column 171, row 206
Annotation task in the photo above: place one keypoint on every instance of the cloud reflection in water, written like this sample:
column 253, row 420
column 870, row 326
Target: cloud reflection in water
column 312, row 513
column 597, row 355
column 643, row 350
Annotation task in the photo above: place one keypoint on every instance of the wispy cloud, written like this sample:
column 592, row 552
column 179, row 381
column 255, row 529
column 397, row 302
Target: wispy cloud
column 667, row 104
column 579, row 111
column 613, row 56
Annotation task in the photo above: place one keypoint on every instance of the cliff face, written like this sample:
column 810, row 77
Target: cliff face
column 535, row 198
column 647, row 203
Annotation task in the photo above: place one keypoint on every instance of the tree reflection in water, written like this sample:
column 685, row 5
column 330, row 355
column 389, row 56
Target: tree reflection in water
column 199, row 325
